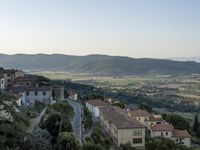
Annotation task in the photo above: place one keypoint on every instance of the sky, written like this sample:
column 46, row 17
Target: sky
column 135, row 28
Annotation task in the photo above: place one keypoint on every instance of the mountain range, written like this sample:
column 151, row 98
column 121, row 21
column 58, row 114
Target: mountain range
column 98, row 64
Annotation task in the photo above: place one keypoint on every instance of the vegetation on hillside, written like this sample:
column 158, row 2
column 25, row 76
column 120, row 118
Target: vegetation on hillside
column 14, row 121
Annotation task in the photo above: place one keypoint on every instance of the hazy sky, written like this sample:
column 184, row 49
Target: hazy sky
column 136, row 28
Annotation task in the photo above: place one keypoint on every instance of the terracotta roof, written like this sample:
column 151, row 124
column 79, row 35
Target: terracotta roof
column 41, row 88
column 139, row 113
column 181, row 134
column 97, row 102
column 152, row 118
column 162, row 127
column 120, row 118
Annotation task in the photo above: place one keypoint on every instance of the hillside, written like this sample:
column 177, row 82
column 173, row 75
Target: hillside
column 98, row 64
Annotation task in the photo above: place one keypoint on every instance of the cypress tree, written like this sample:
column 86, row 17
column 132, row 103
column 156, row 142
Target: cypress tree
column 195, row 123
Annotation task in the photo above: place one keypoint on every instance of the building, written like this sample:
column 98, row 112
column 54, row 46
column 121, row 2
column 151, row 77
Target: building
column 20, row 99
column 94, row 105
column 121, row 127
column 2, row 85
column 58, row 93
column 26, row 81
column 155, row 119
column 182, row 137
column 140, row 115
column 9, row 75
column 146, row 118
column 42, row 94
column 73, row 96
column 167, row 131
column 164, row 130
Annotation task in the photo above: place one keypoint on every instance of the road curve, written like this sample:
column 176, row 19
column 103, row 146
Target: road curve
column 76, row 122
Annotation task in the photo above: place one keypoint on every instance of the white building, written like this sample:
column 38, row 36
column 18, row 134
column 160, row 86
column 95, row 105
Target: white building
column 20, row 99
column 2, row 83
column 122, row 128
column 42, row 94
column 167, row 131
column 73, row 96
column 93, row 106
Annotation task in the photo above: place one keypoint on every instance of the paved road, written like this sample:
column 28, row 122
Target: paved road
column 36, row 122
column 76, row 122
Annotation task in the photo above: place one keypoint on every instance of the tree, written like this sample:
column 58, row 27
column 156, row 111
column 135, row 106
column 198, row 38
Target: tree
column 87, row 118
column 64, row 108
column 177, row 121
column 195, row 123
column 56, row 124
column 145, row 107
column 40, row 140
column 160, row 143
column 91, row 146
column 198, row 132
column 67, row 141
column 120, row 105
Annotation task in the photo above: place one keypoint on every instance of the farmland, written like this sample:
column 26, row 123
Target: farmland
column 179, row 93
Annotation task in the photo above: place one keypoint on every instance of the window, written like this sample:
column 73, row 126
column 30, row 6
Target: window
column 161, row 134
column 137, row 132
column 44, row 93
column 166, row 133
column 8, row 80
column 36, row 93
column 27, row 83
column 8, row 75
column 138, row 118
column 137, row 141
column 27, row 93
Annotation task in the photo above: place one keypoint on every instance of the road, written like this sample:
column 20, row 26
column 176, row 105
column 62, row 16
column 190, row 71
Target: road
column 36, row 122
column 76, row 122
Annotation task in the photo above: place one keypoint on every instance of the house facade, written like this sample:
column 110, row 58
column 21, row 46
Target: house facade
column 168, row 131
column 94, row 105
column 140, row 115
column 9, row 75
column 146, row 118
column 26, row 81
column 121, row 127
column 42, row 94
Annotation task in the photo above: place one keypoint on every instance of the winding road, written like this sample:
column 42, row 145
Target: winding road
column 76, row 122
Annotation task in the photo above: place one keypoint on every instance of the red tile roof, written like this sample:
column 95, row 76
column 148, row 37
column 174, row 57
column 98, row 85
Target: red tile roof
column 97, row 102
column 152, row 118
column 162, row 127
column 181, row 134
column 139, row 113
column 120, row 118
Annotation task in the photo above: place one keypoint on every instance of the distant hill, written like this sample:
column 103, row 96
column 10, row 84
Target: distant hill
column 197, row 59
column 98, row 64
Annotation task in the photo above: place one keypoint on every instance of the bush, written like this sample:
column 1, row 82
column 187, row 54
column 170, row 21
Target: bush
column 87, row 118
column 91, row 146
column 67, row 141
